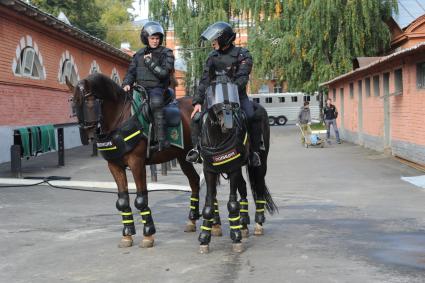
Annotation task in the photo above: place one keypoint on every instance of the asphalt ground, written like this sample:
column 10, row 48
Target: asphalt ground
column 345, row 216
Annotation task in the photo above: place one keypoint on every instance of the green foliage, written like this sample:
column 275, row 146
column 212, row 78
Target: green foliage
column 108, row 20
column 118, row 22
column 82, row 13
column 303, row 42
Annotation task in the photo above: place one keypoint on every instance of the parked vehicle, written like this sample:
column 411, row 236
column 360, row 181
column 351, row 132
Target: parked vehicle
column 284, row 107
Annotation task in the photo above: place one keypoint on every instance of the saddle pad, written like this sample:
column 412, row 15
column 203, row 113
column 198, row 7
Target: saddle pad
column 174, row 134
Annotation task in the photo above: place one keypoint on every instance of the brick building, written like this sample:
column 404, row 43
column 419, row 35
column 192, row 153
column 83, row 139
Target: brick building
column 37, row 51
column 382, row 101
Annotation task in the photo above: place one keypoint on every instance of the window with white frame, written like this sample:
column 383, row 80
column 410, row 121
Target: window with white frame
column 68, row 69
column 28, row 61
column 94, row 68
column 115, row 76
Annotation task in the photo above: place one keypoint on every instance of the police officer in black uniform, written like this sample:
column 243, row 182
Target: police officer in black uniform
column 236, row 62
column 151, row 68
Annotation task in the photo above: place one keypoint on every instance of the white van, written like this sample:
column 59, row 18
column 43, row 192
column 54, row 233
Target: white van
column 284, row 107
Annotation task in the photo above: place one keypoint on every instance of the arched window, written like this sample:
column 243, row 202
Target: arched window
column 68, row 68
column 94, row 68
column 28, row 61
column 115, row 76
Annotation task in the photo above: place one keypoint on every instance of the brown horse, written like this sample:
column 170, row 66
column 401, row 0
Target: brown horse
column 102, row 105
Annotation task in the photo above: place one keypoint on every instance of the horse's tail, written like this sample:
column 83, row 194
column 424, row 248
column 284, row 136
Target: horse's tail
column 257, row 174
column 259, row 188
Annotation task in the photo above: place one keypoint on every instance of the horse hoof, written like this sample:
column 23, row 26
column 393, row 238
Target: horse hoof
column 216, row 231
column 204, row 249
column 126, row 242
column 237, row 247
column 258, row 231
column 147, row 243
column 245, row 233
column 190, row 227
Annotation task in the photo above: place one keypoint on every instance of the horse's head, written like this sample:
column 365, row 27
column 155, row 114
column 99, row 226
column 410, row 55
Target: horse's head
column 87, row 109
column 222, row 102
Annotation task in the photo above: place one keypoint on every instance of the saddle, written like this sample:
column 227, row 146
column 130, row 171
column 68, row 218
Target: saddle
column 142, row 109
column 171, row 108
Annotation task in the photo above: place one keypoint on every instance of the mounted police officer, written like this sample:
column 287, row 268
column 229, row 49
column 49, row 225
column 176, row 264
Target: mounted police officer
column 236, row 62
column 151, row 68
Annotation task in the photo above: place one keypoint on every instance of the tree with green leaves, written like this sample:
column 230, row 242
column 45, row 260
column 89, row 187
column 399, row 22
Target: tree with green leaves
column 83, row 14
column 302, row 42
column 118, row 22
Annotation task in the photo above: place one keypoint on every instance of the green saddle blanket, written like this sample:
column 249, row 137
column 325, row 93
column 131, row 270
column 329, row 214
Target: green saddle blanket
column 174, row 134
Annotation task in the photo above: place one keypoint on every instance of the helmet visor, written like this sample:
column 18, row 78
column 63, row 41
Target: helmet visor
column 153, row 29
column 222, row 93
column 211, row 33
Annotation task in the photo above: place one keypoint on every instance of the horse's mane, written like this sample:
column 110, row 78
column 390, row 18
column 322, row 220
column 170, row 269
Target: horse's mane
column 104, row 87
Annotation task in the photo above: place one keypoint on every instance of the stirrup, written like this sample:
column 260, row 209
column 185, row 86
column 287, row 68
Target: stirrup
column 193, row 156
column 163, row 145
column 254, row 159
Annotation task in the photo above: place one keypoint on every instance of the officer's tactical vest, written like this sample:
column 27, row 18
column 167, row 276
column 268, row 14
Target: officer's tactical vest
column 145, row 77
column 227, row 62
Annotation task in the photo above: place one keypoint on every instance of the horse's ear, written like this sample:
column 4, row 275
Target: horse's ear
column 69, row 84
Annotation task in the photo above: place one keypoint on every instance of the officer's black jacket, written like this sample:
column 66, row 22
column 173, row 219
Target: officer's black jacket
column 236, row 61
column 151, row 72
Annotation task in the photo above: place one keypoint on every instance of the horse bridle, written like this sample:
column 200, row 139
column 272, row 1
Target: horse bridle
column 95, row 120
column 87, row 119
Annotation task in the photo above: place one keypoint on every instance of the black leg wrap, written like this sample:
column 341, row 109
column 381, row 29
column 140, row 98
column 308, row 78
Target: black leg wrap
column 259, row 211
column 147, row 220
column 234, row 221
column 205, row 235
column 194, row 208
column 123, row 205
column 141, row 201
column 216, row 219
column 244, row 212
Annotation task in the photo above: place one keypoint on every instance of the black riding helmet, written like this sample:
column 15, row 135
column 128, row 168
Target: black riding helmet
column 221, row 31
column 151, row 28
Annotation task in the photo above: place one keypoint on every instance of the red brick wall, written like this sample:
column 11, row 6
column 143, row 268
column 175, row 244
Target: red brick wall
column 407, row 119
column 25, row 101
column 407, row 122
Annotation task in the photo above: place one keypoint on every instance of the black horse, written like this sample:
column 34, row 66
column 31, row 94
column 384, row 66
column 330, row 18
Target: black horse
column 224, row 149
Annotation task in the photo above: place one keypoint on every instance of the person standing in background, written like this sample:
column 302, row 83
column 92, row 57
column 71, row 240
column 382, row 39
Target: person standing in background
column 330, row 114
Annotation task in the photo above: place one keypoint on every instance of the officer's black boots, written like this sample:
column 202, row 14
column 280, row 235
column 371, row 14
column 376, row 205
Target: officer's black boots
column 161, row 128
column 255, row 139
column 193, row 155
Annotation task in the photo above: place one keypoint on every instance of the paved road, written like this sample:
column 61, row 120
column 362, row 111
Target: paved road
column 345, row 216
